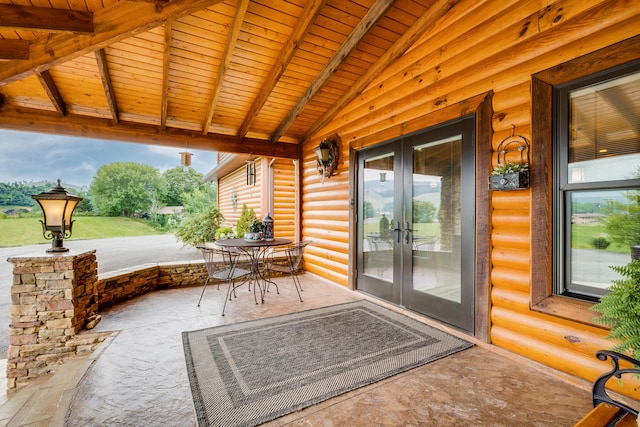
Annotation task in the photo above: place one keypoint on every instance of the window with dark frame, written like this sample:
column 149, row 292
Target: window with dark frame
column 596, row 189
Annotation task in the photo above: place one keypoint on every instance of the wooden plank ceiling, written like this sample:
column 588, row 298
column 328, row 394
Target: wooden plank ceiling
column 238, row 76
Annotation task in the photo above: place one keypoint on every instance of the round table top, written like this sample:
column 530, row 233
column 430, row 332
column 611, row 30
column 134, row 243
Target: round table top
column 241, row 243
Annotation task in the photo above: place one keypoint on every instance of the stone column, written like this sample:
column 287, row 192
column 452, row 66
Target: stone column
column 52, row 299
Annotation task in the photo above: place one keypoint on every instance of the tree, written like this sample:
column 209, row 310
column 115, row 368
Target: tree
column 623, row 220
column 178, row 182
column 124, row 188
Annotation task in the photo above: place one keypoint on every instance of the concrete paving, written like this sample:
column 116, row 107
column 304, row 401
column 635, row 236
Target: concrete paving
column 139, row 378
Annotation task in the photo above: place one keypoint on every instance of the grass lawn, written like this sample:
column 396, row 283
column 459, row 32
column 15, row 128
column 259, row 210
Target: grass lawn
column 28, row 231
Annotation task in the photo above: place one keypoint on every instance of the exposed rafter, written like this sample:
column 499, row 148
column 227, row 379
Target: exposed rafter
column 374, row 14
column 113, row 24
column 286, row 54
column 428, row 19
column 166, row 63
column 52, row 91
column 14, row 49
column 103, row 68
column 46, row 19
column 241, row 9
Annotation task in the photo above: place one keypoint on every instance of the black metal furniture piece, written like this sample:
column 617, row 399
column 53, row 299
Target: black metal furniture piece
column 293, row 259
column 223, row 265
column 607, row 411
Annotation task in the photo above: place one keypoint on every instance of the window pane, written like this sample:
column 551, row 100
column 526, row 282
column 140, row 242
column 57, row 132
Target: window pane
column 601, row 229
column 604, row 133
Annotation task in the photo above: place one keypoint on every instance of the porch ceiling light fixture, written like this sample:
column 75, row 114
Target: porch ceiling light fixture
column 328, row 153
column 57, row 207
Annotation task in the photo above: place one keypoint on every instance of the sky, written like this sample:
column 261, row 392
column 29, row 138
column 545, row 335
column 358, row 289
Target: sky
column 38, row 157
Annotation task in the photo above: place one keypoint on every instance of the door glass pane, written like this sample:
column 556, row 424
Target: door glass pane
column 436, row 201
column 378, row 207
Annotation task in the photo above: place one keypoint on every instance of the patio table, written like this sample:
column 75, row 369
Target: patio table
column 255, row 250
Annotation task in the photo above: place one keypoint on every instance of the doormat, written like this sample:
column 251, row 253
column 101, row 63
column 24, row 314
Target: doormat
column 248, row 373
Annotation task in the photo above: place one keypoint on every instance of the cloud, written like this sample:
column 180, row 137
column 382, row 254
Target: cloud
column 36, row 157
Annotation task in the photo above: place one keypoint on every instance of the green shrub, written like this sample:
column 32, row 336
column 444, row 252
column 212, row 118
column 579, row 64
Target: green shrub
column 224, row 233
column 620, row 309
column 247, row 216
column 600, row 243
column 199, row 227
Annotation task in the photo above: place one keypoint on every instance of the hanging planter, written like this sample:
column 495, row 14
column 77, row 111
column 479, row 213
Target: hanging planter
column 512, row 175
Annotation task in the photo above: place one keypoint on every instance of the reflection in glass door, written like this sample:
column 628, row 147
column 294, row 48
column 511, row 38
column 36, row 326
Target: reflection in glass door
column 416, row 201
column 379, row 210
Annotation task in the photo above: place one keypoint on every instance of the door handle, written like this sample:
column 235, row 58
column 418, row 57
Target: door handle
column 407, row 230
column 397, row 231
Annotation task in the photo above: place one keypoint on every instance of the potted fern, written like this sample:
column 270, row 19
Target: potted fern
column 620, row 309
column 510, row 176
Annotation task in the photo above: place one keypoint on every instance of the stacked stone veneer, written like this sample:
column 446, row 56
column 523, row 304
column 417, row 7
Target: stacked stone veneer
column 52, row 299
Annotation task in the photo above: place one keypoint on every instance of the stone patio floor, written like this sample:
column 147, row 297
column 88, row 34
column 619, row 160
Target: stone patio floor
column 138, row 376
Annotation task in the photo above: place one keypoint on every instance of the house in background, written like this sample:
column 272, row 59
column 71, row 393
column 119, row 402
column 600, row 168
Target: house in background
column 425, row 97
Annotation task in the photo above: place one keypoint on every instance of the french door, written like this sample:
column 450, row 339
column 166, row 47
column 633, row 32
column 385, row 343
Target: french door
column 416, row 222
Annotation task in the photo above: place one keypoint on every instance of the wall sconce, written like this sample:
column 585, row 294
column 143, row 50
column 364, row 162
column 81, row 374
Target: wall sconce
column 328, row 154
column 250, row 170
column 57, row 207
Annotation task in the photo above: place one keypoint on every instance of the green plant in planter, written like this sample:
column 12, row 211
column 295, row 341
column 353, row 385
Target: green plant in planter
column 620, row 309
column 256, row 226
column 247, row 216
column 510, row 167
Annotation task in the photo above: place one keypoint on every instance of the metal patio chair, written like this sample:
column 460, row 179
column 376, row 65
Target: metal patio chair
column 293, row 256
column 223, row 265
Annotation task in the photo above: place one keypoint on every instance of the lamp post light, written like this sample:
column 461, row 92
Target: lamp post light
column 57, row 207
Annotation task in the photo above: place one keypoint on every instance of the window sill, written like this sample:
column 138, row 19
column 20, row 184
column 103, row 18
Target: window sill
column 568, row 308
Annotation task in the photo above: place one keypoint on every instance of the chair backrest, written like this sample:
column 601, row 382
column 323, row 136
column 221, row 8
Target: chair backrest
column 295, row 252
column 221, row 264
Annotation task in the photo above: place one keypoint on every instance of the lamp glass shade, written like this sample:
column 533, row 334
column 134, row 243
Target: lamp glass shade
column 53, row 211
column 71, row 206
column 322, row 151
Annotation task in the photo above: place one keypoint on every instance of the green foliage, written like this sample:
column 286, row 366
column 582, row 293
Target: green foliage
column 620, row 309
column 510, row 167
column 600, row 242
column 178, row 182
column 247, row 216
column 224, row 233
column 19, row 194
column 423, row 211
column 198, row 228
column 256, row 226
column 369, row 211
column 623, row 220
column 199, row 199
column 125, row 188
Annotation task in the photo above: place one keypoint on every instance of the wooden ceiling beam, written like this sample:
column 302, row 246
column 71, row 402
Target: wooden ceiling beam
column 103, row 69
column 45, row 19
column 52, row 91
column 424, row 22
column 112, row 24
column 374, row 14
column 287, row 53
column 14, row 49
column 166, row 65
column 232, row 37
column 23, row 119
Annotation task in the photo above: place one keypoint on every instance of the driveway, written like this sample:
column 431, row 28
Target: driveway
column 112, row 254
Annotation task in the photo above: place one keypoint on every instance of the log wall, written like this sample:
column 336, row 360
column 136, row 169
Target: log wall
column 478, row 47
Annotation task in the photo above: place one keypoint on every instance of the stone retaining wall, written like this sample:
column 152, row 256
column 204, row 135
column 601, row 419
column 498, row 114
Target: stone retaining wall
column 55, row 296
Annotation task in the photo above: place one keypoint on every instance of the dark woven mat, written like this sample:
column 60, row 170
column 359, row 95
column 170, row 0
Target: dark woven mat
column 247, row 373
